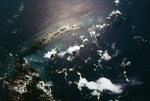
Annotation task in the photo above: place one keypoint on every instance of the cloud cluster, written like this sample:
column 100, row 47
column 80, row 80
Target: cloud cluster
column 70, row 50
column 100, row 85
column 104, row 55
column 50, row 53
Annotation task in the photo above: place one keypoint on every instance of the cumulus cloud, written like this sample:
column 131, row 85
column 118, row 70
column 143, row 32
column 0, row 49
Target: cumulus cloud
column 50, row 53
column 103, row 84
column 113, row 46
column 117, row 2
column 70, row 50
column 114, row 12
column 101, row 26
column 104, row 55
column 106, row 84
column 100, row 85
column 43, row 86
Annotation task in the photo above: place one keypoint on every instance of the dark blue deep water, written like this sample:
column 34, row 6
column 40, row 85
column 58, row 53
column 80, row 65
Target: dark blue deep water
column 130, row 32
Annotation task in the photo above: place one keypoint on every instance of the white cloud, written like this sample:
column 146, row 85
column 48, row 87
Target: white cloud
column 85, row 40
column 82, row 36
column 82, row 83
column 43, row 86
column 106, row 84
column 92, row 33
column 117, row 2
column 106, row 56
column 125, row 63
column 113, row 46
column 73, row 49
column 103, row 84
column 114, row 12
column 62, row 53
column 140, row 38
column 50, row 53
column 70, row 50
column 101, row 26
column 99, row 86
